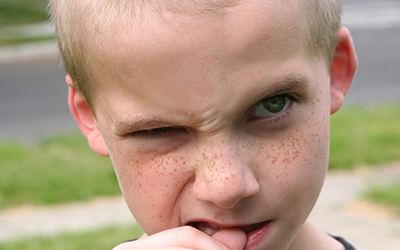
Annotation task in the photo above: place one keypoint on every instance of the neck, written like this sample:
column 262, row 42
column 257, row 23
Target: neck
column 311, row 238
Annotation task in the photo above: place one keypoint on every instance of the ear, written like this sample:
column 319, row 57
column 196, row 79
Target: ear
column 343, row 69
column 85, row 119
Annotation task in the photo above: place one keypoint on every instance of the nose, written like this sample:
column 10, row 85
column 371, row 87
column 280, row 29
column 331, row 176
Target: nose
column 224, row 176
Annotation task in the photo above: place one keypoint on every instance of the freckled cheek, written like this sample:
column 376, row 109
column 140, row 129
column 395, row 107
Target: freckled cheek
column 294, row 165
column 149, row 171
column 151, row 184
column 307, row 173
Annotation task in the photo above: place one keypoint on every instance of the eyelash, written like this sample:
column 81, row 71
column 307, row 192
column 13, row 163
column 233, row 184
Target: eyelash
column 162, row 132
column 153, row 133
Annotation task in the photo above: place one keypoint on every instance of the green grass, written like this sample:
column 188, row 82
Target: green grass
column 17, row 12
column 388, row 194
column 104, row 239
column 361, row 136
column 21, row 40
column 58, row 170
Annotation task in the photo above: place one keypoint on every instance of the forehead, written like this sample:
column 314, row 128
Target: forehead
column 235, row 17
column 237, row 30
column 212, row 54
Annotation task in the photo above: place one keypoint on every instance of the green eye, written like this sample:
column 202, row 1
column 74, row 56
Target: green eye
column 271, row 106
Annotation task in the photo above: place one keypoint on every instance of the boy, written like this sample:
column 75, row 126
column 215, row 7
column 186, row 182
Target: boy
column 215, row 113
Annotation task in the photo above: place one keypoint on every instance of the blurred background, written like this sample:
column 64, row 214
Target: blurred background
column 54, row 190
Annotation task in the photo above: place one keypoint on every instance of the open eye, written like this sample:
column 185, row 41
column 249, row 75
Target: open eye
column 271, row 106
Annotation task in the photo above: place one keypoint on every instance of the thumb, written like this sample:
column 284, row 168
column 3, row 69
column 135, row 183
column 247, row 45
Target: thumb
column 234, row 238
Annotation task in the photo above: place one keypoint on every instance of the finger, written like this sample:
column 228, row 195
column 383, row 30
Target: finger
column 233, row 238
column 179, row 238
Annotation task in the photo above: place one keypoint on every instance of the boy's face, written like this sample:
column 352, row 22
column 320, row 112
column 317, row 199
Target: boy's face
column 217, row 120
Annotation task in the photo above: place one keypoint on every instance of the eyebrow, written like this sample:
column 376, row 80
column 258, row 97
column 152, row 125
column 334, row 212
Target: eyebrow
column 288, row 84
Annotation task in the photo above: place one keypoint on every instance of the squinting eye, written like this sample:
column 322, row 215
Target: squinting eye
column 271, row 106
column 158, row 132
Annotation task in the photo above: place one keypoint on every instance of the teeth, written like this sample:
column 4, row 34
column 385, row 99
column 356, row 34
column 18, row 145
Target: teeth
column 210, row 231
column 206, row 227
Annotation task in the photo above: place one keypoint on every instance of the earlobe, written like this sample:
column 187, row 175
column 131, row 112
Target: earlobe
column 343, row 69
column 85, row 119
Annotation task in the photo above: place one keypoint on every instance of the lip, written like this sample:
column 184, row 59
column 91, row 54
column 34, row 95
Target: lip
column 254, row 237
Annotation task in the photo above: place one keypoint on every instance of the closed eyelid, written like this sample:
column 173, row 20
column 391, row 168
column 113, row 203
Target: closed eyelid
column 160, row 132
column 139, row 125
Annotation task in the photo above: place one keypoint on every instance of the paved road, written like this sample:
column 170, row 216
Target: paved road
column 375, row 26
column 33, row 95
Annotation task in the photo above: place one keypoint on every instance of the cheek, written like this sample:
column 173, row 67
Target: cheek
column 151, row 184
column 295, row 167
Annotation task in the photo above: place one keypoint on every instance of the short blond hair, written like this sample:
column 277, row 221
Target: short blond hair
column 76, row 20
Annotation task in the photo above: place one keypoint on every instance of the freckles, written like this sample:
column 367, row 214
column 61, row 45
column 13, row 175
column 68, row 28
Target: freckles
column 169, row 172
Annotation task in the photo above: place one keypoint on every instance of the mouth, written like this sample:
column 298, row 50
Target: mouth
column 211, row 229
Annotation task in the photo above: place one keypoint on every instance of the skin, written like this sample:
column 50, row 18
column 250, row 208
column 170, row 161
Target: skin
column 222, row 160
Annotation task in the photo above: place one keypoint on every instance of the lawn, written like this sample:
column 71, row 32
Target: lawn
column 365, row 136
column 58, row 170
column 22, row 40
column 103, row 239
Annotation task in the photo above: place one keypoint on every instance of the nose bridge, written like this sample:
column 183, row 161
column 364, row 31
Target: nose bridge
column 225, row 175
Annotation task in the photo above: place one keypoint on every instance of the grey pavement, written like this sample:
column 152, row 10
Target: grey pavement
column 341, row 211
column 75, row 217
column 31, row 52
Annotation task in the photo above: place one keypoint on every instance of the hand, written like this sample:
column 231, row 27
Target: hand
column 189, row 238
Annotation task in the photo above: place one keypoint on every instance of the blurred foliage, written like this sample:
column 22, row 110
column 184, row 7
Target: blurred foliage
column 365, row 136
column 16, row 12
column 39, row 5
column 105, row 239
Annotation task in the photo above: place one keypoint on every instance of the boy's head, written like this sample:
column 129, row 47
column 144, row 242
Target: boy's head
column 214, row 113
column 85, row 25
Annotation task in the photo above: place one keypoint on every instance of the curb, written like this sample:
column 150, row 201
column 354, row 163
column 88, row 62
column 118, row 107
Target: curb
column 29, row 52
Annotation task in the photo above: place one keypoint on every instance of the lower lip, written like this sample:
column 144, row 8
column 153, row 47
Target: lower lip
column 254, row 238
